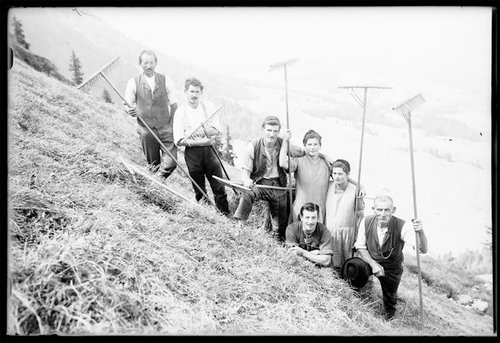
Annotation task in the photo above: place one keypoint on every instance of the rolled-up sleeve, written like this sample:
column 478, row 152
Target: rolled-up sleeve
column 361, row 241
column 130, row 92
column 325, row 246
column 178, row 126
column 291, row 235
column 247, row 158
column 408, row 235
column 172, row 91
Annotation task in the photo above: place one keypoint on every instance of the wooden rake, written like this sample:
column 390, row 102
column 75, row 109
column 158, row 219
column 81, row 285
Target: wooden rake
column 278, row 65
column 201, row 131
column 405, row 110
column 363, row 102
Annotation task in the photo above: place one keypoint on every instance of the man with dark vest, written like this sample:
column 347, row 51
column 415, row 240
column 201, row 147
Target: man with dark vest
column 380, row 242
column 153, row 96
column 260, row 166
column 309, row 238
column 200, row 155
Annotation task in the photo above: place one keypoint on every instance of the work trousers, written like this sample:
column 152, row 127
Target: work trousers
column 202, row 162
column 390, row 283
column 151, row 148
column 277, row 200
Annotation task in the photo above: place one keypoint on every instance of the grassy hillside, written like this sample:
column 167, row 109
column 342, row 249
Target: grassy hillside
column 92, row 252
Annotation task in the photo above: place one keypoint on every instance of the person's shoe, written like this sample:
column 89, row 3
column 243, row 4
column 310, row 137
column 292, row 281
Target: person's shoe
column 389, row 316
column 165, row 175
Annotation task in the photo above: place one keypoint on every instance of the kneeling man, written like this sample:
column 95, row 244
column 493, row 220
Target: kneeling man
column 380, row 242
column 309, row 238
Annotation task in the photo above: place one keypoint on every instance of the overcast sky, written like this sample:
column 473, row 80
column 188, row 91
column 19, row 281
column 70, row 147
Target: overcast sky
column 247, row 40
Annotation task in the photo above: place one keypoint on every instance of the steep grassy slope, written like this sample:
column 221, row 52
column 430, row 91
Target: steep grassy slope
column 92, row 252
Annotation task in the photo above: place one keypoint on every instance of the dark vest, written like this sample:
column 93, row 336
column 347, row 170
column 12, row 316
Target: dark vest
column 390, row 256
column 260, row 161
column 153, row 106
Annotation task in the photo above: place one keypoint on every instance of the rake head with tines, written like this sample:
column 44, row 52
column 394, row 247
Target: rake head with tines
column 199, row 132
column 282, row 63
column 97, row 76
column 362, row 101
column 406, row 107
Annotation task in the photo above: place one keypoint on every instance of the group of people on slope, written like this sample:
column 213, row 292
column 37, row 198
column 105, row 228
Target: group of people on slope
column 327, row 226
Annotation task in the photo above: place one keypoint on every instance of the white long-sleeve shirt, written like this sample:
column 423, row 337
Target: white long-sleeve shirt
column 187, row 119
column 130, row 91
column 407, row 235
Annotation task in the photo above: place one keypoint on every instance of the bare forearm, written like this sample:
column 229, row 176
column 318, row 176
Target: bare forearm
column 423, row 241
column 195, row 142
column 365, row 256
column 283, row 155
column 323, row 260
column 351, row 180
column 211, row 131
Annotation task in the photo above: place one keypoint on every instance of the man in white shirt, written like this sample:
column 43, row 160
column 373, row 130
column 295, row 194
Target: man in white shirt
column 154, row 99
column 200, row 155
column 380, row 243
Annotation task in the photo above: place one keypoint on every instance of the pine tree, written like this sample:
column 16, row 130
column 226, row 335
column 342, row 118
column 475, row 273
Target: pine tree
column 106, row 96
column 227, row 153
column 19, row 33
column 75, row 67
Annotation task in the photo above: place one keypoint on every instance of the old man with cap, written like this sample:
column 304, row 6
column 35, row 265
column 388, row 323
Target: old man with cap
column 380, row 243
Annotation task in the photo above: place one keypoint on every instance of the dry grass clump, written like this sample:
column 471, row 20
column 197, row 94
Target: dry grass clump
column 445, row 279
column 33, row 216
column 94, row 252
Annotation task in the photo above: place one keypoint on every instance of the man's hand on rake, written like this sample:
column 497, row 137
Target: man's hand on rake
column 131, row 111
column 247, row 182
column 362, row 191
column 205, row 141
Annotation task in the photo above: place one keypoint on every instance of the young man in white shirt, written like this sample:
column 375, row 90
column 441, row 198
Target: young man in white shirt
column 199, row 154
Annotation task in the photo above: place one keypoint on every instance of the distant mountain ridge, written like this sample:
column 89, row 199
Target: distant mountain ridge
column 55, row 32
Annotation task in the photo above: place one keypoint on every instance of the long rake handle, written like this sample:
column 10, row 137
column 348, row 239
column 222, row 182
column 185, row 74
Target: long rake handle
column 159, row 141
column 222, row 165
column 288, row 150
column 417, row 241
column 356, row 201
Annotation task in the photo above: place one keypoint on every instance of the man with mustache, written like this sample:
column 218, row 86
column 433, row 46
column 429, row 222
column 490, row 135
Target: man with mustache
column 310, row 238
column 380, row 243
column 199, row 152
column 154, row 99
